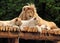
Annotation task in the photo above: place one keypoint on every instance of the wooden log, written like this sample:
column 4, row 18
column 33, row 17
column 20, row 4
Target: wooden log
column 6, row 27
column 10, row 28
column 1, row 28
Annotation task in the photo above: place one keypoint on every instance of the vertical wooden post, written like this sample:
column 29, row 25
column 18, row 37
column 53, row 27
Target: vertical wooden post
column 16, row 40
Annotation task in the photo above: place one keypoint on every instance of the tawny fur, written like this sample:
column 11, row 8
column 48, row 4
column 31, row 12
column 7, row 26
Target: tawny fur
column 32, row 23
column 29, row 11
column 28, row 23
column 42, row 27
column 14, row 22
column 52, row 25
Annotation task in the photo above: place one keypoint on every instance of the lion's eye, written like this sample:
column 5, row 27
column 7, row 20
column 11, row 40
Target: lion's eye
column 16, row 20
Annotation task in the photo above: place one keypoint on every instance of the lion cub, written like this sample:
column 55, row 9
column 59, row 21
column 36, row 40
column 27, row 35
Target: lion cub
column 28, row 23
column 13, row 22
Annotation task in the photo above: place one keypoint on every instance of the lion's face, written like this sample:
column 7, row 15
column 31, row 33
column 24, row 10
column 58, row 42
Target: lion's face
column 17, row 21
column 29, row 12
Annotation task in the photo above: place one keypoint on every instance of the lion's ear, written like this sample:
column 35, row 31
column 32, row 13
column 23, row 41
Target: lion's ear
column 35, row 18
column 16, row 19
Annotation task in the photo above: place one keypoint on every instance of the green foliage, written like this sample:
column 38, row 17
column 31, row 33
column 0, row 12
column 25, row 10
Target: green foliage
column 53, row 10
column 11, row 8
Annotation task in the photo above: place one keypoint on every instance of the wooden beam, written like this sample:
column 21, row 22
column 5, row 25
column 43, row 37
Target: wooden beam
column 37, row 36
column 26, row 35
column 8, row 35
column 32, row 35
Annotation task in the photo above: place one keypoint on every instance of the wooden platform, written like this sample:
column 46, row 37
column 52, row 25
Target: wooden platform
column 26, row 35
column 14, row 34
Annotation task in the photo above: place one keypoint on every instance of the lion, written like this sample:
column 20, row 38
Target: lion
column 32, row 23
column 29, row 11
column 10, row 25
column 50, row 24
column 14, row 22
column 28, row 23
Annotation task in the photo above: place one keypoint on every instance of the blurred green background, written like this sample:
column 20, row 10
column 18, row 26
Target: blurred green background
column 47, row 9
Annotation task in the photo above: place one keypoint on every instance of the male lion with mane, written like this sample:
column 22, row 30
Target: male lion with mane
column 29, row 11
